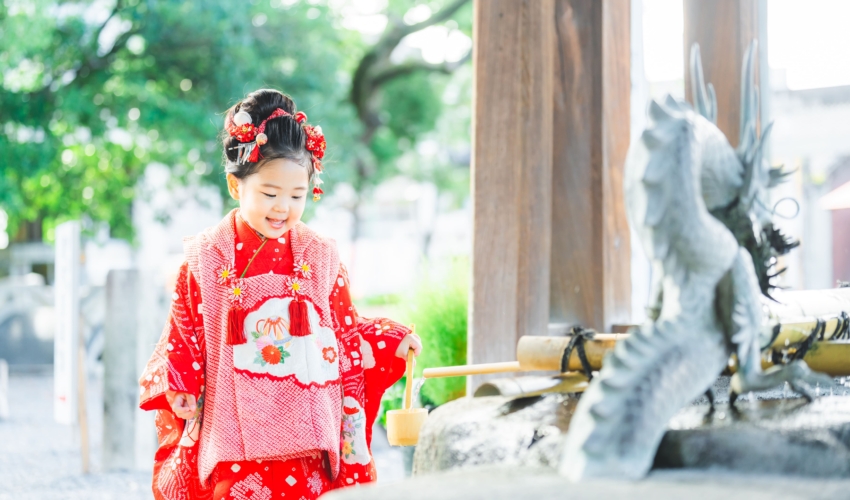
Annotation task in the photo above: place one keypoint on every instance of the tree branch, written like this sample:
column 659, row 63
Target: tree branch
column 363, row 84
column 406, row 68
column 100, row 29
column 443, row 15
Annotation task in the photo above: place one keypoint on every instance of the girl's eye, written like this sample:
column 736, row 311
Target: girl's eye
column 297, row 197
column 270, row 195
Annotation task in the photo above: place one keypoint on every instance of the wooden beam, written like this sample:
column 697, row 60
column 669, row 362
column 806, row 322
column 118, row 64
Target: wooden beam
column 591, row 252
column 723, row 29
column 511, row 175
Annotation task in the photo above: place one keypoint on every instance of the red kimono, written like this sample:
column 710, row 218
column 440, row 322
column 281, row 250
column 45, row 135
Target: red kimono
column 288, row 413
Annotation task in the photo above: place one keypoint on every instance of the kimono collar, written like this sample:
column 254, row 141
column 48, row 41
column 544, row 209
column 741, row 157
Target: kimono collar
column 223, row 237
column 245, row 233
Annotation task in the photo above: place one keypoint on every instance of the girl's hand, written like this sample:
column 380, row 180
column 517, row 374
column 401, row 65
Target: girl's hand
column 410, row 341
column 182, row 404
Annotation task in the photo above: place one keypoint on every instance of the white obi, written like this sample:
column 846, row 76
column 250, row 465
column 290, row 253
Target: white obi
column 272, row 350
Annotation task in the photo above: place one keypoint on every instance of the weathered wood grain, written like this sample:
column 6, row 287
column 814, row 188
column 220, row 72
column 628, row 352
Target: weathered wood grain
column 723, row 29
column 591, row 282
column 511, row 175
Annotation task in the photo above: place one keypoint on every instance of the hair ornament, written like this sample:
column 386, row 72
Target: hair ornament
column 241, row 118
column 315, row 141
column 316, row 145
column 250, row 137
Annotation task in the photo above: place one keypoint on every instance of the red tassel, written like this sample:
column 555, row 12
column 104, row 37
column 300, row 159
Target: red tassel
column 255, row 154
column 236, row 326
column 299, row 321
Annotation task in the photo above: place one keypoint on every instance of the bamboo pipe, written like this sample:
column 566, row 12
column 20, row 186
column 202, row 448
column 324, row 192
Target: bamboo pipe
column 538, row 353
column 829, row 357
column 546, row 353
column 809, row 303
column 796, row 330
column 832, row 358
column 542, row 353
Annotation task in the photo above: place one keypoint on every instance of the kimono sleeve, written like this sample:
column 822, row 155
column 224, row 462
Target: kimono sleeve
column 177, row 363
column 378, row 341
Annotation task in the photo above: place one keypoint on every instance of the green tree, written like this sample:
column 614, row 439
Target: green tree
column 90, row 96
column 92, row 93
column 397, row 101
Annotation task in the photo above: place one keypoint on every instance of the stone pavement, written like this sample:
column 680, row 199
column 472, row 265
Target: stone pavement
column 40, row 459
column 510, row 483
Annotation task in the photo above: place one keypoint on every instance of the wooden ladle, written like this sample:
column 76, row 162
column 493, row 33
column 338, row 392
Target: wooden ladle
column 403, row 425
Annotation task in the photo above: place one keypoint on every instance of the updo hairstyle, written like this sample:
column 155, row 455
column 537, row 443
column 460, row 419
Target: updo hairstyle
column 286, row 137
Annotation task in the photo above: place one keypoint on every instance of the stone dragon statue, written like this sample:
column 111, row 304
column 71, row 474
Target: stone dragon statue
column 700, row 209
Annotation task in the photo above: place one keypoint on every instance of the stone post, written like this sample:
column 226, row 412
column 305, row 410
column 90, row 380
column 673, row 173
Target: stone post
column 120, row 385
column 4, row 389
column 67, row 340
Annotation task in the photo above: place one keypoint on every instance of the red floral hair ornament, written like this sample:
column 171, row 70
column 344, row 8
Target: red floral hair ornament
column 251, row 138
column 316, row 145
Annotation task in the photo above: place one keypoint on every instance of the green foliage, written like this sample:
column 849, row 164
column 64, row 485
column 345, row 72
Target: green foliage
column 439, row 309
column 397, row 94
column 93, row 92
column 411, row 104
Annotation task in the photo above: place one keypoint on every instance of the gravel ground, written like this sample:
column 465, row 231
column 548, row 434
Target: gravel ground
column 40, row 459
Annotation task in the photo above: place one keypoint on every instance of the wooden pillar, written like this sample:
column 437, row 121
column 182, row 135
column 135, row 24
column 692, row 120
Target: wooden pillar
column 723, row 29
column 511, row 175
column 591, row 253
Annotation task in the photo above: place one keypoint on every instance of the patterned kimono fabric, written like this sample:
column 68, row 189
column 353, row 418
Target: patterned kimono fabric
column 283, row 415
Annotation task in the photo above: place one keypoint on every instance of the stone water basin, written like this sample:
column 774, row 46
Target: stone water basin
column 773, row 436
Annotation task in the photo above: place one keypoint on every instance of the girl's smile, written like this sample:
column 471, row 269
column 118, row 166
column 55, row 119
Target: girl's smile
column 272, row 200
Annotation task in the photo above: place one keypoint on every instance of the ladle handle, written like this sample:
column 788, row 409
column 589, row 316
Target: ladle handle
column 464, row 370
column 408, row 384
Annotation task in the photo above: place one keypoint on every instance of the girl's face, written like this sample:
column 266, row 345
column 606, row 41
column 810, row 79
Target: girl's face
column 272, row 199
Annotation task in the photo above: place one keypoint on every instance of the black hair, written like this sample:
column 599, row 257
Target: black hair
column 286, row 137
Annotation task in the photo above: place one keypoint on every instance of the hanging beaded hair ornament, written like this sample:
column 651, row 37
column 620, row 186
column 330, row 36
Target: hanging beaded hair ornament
column 251, row 137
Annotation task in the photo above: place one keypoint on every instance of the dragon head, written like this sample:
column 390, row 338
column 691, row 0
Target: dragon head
column 749, row 215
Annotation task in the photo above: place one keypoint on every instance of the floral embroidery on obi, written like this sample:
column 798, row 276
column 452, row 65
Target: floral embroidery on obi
column 353, row 447
column 272, row 350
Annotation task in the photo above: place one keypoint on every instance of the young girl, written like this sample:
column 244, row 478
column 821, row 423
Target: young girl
column 265, row 381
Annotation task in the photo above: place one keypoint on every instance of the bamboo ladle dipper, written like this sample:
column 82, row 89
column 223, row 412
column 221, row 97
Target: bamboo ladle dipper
column 403, row 425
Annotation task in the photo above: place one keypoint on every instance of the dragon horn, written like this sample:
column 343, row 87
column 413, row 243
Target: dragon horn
column 705, row 101
column 749, row 101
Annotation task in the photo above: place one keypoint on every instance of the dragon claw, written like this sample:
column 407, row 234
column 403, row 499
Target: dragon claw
column 803, row 389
